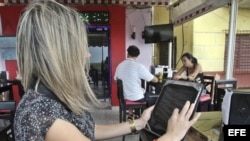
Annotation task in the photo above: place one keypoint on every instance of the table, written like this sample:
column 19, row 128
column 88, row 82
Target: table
column 155, row 88
column 207, row 128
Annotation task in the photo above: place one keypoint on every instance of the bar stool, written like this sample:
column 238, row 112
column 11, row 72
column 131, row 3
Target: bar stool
column 206, row 98
column 125, row 105
column 7, row 113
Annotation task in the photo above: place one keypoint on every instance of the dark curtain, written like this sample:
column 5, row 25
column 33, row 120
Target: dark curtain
column 98, row 40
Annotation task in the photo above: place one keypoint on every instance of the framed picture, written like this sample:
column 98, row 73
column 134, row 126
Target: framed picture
column 8, row 47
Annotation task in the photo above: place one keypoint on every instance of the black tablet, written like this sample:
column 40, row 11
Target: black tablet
column 174, row 94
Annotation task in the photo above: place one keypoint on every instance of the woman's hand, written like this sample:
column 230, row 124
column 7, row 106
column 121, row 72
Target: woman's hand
column 142, row 121
column 179, row 123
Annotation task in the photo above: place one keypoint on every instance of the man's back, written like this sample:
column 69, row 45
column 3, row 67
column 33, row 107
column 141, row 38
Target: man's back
column 131, row 73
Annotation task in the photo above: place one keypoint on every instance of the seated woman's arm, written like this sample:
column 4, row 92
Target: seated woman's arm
column 178, row 75
column 64, row 131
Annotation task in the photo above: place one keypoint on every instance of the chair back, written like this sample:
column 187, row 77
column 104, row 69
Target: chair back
column 17, row 83
column 93, row 73
column 209, row 82
column 207, row 97
column 219, row 91
column 7, row 112
column 7, row 88
column 120, row 92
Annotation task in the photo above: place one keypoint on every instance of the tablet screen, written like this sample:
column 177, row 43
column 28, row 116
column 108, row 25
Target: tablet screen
column 174, row 94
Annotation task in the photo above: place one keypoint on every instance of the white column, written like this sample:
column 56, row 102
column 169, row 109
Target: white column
column 170, row 55
column 231, row 41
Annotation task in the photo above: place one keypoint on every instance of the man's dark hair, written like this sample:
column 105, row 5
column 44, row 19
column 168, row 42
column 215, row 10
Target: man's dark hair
column 133, row 51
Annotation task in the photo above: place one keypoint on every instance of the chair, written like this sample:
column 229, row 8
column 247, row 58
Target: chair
column 17, row 83
column 93, row 73
column 7, row 88
column 7, row 112
column 206, row 98
column 125, row 105
column 219, row 92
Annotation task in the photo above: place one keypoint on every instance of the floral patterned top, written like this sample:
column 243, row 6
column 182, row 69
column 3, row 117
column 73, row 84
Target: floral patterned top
column 36, row 113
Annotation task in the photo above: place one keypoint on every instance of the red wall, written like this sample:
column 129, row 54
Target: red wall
column 10, row 15
column 11, row 67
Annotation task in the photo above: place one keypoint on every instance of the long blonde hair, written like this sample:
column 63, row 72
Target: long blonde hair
column 52, row 47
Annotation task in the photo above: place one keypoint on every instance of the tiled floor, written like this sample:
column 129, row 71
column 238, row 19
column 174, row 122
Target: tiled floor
column 109, row 116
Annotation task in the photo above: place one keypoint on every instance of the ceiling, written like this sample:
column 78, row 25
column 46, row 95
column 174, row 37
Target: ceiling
column 183, row 10
column 244, row 4
column 186, row 10
column 93, row 2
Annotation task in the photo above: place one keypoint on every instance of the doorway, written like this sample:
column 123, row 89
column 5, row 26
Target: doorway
column 99, row 47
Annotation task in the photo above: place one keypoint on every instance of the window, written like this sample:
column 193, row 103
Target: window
column 241, row 55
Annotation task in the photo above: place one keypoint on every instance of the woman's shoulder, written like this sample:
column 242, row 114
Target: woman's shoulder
column 36, row 102
column 36, row 113
column 34, row 116
column 199, row 66
column 33, row 106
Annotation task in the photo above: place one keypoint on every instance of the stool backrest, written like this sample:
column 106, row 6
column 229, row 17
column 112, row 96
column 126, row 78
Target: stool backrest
column 7, row 110
column 120, row 92
column 7, row 88
column 209, row 82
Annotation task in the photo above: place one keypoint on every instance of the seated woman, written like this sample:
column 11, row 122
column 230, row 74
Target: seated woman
column 192, row 68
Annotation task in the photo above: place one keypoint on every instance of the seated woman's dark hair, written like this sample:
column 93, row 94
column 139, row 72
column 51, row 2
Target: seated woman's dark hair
column 133, row 51
column 190, row 57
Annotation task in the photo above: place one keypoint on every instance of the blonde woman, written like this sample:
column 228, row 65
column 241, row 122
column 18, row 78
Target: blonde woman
column 52, row 60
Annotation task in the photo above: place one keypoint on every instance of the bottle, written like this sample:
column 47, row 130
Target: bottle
column 160, row 77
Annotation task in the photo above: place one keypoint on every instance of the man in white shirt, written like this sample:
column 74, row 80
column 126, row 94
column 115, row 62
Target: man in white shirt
column 131, row 73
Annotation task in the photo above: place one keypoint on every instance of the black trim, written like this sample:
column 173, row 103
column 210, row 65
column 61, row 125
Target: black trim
column 42, row 89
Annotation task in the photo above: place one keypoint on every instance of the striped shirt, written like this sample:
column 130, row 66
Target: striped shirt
column 131, row 73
